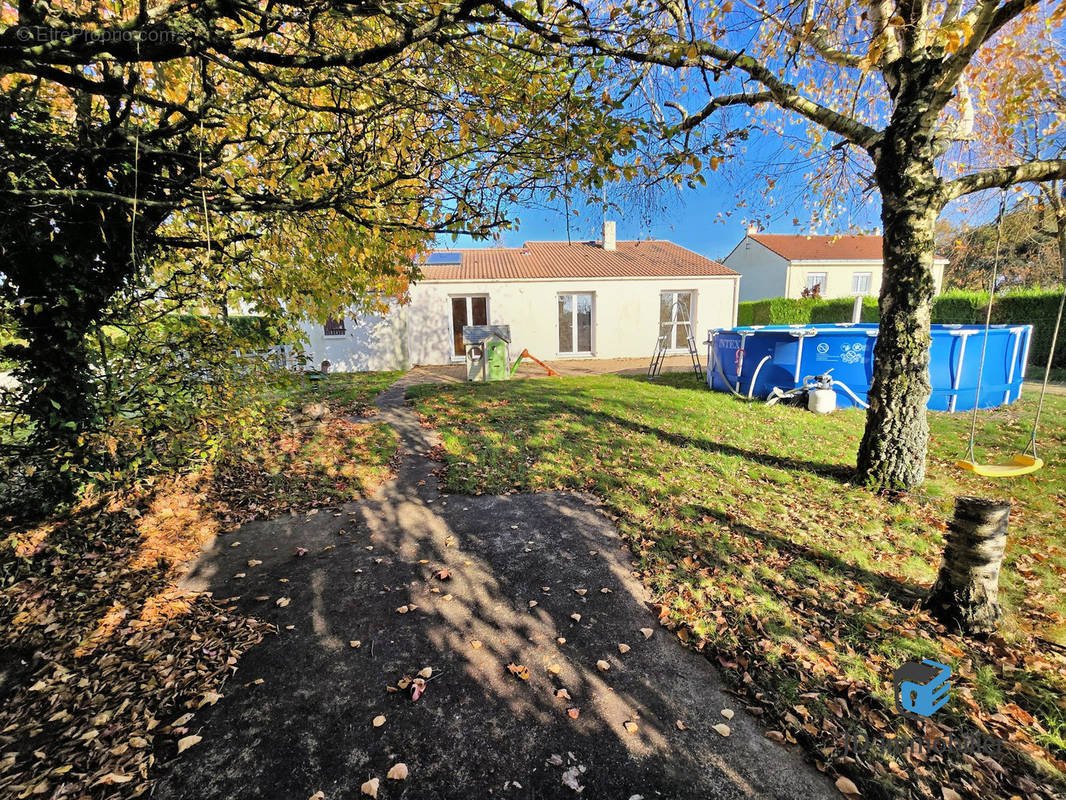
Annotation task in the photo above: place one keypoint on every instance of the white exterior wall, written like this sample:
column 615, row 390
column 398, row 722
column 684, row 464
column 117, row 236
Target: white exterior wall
column 763, row 273
column 625, row 320
column 839, row 274
column 625, row 313
column 376, row 342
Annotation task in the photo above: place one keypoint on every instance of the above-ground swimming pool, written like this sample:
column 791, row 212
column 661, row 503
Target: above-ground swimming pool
column 752, row 361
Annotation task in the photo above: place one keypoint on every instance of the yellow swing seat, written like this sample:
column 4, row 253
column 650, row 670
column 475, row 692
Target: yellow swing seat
column 1019, row 465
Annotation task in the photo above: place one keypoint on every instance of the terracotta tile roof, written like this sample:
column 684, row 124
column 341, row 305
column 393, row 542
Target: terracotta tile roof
column 821, row 248
column 640, row 259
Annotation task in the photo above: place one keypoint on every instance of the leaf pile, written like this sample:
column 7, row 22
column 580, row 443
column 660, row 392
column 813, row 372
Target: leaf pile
column 105, row 661
column 313, row 464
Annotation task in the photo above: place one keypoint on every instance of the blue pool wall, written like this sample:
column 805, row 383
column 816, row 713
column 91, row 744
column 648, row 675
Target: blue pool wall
column 954, row 358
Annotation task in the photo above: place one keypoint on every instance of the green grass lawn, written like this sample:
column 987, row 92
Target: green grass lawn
column 346, row 392
column 760, row 551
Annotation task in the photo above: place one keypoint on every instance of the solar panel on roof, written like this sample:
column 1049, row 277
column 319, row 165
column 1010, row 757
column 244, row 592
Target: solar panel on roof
column 444, row 258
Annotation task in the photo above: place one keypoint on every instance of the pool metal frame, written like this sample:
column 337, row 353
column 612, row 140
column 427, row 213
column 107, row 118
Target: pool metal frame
column 804, row 332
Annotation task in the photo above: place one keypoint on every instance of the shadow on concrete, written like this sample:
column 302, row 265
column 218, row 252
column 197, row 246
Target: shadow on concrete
column 297, row 716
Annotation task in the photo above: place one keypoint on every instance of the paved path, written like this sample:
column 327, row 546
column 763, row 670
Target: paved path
column 456, row 373
column 297, row 716
column 1031, row 388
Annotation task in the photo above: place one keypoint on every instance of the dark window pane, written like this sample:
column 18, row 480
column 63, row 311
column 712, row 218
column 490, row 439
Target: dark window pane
column 479, row 310
column 584, row 323
column 566, row 324
column 333, row 327
column 458, row 321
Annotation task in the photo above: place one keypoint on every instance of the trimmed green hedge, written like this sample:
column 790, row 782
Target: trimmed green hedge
column 783, row 311
column 839, row 310
column 1036, row 307
column 959, row 306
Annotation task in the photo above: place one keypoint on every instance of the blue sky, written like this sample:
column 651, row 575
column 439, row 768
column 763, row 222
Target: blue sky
column 709, row 220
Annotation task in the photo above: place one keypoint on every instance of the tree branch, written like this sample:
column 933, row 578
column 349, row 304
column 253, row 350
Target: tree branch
column 726, row 100
column 672, row 54
column 985, row 19
column 1001, row 177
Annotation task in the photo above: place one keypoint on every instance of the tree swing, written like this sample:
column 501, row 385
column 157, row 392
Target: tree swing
column 1027, row 461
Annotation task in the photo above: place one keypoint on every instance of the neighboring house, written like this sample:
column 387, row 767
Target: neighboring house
column 602, row 299
column 783, row 265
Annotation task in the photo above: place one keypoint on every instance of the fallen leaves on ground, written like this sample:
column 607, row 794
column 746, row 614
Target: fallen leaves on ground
column 801, row 586
column 398, row 772
column 520, row 671
column 848, row 788
column 105, row 648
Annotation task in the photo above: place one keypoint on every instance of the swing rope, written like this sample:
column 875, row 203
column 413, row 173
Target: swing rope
column 1047, row 370
column 1021, row 463
column 988, row 324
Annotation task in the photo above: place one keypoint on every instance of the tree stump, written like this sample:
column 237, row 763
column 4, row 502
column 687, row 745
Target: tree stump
column 966, row 592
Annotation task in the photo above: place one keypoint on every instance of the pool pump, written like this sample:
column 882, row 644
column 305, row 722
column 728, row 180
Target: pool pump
column 821, row 399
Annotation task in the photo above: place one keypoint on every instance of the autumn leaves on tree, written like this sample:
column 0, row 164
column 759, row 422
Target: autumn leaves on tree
column 291, row 156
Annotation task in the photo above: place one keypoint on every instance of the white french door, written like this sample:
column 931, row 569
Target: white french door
column 575, row 324
column 467, row 310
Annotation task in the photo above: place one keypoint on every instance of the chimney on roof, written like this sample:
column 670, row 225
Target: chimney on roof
column 609, row 243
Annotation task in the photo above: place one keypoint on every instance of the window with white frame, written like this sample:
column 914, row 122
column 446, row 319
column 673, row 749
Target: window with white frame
column 816, row 282
column 675, row 318
column 467, row 310
column 860, row 282
column 575, row 323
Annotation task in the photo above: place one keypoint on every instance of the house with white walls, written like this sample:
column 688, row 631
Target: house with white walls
column 591, row 299
column 784, row 265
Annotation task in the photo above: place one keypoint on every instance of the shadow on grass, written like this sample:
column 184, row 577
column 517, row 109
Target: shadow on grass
column 902, row 592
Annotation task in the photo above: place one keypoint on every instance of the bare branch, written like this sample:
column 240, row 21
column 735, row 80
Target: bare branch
column 741, row 99
column 672, row 53
column 1001, row 177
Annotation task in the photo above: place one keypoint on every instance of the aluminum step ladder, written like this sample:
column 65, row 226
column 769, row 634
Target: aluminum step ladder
column 655, row 367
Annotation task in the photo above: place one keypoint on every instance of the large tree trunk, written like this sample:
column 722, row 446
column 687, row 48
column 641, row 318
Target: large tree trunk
column 893, row 449
column 966, row 592
column 56, row 386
